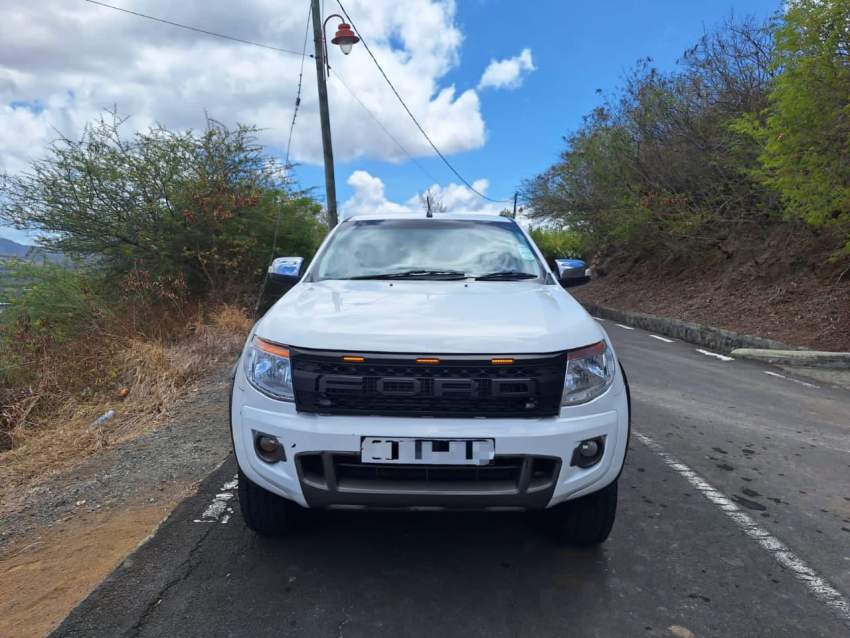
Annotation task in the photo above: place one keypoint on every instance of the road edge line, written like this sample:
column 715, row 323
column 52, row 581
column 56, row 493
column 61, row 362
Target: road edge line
column 818, row 586
column 716, row 355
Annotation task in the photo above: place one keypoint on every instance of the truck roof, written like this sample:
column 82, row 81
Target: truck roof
column 462, row 216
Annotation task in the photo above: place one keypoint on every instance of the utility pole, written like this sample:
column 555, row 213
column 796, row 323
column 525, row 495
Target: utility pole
column 515, row 198
column 324, row 115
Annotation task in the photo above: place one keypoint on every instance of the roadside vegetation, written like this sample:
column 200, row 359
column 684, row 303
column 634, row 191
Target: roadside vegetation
column 167, row 237
column 555, row 243
column 720, row 191
column 752, row 131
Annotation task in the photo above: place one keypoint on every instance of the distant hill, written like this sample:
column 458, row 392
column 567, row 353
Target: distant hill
column 9, row 248
column 12, row 249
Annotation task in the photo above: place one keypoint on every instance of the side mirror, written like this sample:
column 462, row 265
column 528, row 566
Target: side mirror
column 284, row 273
column 286, row 269
column 572, row 272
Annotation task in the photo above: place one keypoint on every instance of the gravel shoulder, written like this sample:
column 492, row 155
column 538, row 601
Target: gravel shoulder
column 62, row 537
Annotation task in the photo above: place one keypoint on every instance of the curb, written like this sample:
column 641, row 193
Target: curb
column 797, row 358
column 715, row 338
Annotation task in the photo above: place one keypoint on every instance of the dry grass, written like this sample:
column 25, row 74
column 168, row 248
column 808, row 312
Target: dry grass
column 140, row 379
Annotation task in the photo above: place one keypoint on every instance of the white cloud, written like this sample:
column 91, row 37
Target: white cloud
column 369, row 198
column 65, row 62
column 22, row 130
column 509, row 73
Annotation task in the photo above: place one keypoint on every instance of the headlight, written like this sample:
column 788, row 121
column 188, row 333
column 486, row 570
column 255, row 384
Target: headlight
column 267, row 369
column 590, row 371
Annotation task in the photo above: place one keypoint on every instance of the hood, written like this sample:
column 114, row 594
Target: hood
column 429, row 317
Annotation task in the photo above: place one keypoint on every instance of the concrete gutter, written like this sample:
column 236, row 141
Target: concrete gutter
column 740, row 345
column 717, row 339
column 797, row 358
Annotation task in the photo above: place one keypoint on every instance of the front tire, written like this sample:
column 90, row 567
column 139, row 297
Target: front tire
column 587, row 520
column 265, row 513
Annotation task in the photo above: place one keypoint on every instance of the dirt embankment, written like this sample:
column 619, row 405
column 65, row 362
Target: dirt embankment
column 60, row 536
column 783, row 287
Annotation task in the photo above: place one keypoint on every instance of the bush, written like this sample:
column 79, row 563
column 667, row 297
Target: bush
column 657, row 168
column 50, row 305
column 557, row 243
column 169, row 233
column 196, row 207
column 751, row 130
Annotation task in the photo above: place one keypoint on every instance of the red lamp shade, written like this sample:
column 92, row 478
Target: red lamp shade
column 345, row 38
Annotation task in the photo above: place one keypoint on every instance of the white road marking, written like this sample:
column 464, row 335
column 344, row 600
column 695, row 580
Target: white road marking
column 626, row 327
column 219, row 510
column 781, row 553
column 598, row 318
column 708, row 353
column 782, row 376
column 664, row 339
column 808, row 385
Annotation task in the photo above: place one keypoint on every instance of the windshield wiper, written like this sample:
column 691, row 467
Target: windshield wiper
column 416, row 274
column 507, row 275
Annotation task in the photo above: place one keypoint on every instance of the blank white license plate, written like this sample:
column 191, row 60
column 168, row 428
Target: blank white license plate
column 427, row 451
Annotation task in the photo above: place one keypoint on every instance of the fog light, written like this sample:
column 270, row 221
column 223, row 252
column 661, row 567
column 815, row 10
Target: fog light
column 588, row 449
column 268, row 448
column 588, row 452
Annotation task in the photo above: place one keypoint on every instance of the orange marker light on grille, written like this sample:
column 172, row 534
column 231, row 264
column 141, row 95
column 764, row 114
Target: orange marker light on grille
column 271, row 348
column 427, row 360
column 501, row 362
column 350, row 359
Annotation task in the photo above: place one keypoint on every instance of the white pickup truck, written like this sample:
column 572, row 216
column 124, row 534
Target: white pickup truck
column 430, row 363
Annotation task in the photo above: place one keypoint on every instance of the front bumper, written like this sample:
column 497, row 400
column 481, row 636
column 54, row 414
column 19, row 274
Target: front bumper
column 322, row 453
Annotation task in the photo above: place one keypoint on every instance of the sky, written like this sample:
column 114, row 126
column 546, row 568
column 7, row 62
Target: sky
column 496, row 84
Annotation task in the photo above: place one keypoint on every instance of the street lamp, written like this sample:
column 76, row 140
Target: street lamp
column 345, row 38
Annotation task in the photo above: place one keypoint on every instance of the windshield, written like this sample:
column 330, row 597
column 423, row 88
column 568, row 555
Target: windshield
column 427, row 249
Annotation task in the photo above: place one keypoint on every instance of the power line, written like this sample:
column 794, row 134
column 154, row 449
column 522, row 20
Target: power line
column 195, row 29
column 298, row 91
column 374, row 117
column 292, row 127
column 412, row 117
column 303, row 54
column 286, row 161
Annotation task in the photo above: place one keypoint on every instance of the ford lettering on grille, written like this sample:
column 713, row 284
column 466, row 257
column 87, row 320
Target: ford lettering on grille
column 401, row 386
column 457, row 386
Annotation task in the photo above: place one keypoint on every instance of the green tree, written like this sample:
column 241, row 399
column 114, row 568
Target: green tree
column 806, row 133
column 197, row 207
column 657, row 168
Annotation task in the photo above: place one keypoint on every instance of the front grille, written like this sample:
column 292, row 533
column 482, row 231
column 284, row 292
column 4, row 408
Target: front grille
column 329, row 479
column 459, row 386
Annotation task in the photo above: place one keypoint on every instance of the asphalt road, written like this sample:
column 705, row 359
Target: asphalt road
column 734, row 520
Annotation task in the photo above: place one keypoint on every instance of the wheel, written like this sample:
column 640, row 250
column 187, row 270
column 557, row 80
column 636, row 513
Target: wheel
column 265, row 513
column 587, row 520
